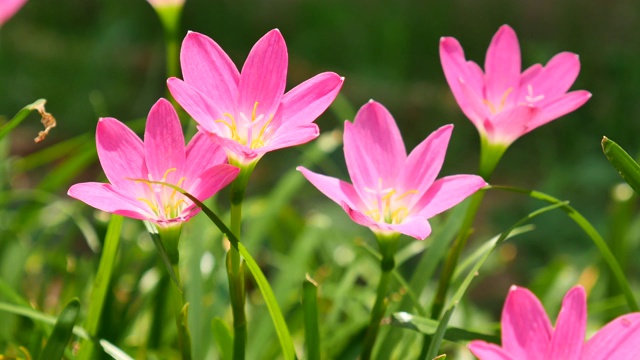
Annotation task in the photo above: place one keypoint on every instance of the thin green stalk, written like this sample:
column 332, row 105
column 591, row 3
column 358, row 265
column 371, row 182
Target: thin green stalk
column 170, row 237
column 288, row 350
column 101, row 286
column 388, row 245
column 235, row 271
column 451, row 261
column 490, row 155
column 595, row 236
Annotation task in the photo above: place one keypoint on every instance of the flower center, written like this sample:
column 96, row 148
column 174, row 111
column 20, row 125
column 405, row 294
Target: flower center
column 503, row 100
column 252, row 131
column 388, row 205
column 164, row 202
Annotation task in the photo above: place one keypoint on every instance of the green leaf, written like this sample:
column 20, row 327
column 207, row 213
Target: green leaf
column 78, row 331
column 621, row 161
column 434, row 346
column 310, row 306
column 280, row 325
column 428, row 326
column 595, row 236
column 101, row 284
column 223, row 338
column 62, row 332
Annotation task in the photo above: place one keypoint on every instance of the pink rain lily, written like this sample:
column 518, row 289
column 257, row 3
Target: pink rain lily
column 130, row 163
column 8, row 8
column 527, row 333
column 248, row 112
column 503, row 103
column 393, row 192
column 166, row 3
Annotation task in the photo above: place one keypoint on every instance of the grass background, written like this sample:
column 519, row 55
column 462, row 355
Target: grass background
column 92, row 58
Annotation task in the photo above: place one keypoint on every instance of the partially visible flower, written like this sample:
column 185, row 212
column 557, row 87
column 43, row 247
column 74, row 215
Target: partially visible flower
column 393, row 192
column 502, row 102
column 527, row 333
column 248, row 113
column 131, row 164
column 165, row 3
column 8, row 8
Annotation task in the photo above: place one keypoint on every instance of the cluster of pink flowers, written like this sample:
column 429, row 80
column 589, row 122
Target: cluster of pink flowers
column 242, row 115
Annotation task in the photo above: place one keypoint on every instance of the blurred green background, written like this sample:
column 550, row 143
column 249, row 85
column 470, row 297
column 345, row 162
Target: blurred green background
column 92, row 58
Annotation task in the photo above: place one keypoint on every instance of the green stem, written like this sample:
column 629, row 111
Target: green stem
column 490, row 155
column 235, row 271
column 388, row 245
column 170, row 237
column 451, row 261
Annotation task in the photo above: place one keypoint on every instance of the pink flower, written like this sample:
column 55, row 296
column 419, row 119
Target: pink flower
column 165, row 3
column 128, row 162
column 8, row 8
column 393, row 192
column 503, row 103
column 247, row 112
column 527, row 333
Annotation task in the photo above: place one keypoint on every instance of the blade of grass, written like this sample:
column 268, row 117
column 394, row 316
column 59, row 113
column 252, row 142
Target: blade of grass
column 311, row 330
column 621, row 161
column 62, row 332
column 223, row 338
column 592, row 233
column 436, row 340
column 429, row 326
column 280, row 325
column 78, row 331
column 101, row 285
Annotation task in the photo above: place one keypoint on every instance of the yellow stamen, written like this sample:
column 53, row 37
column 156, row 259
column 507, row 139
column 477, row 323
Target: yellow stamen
column 253, row 113
column 153, row 207
column 503, row 101
column 257, row 143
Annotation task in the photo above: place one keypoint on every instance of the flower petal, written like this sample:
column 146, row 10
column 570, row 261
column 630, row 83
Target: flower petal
column 526, row 330
column 415, row 226
column 305, row 102
column 264, row 75
column 475, row 108
column 373, row 148
column 207, row 68
column 568, row 335
column 424, row 163
column 557, row 76
column 456, row 70
column 617, row 340
column 121, row 153
column 235, row 150
column 335, row 189
column 103, row 197
column 196, row 104
column 9, row 8
column 201, row 154
column 559, row 107
column 502, row 64
column 446, row 193
column 291, row 136
column 486, row 351
column 507, row 126
column 212, row 180
column 163, row 142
